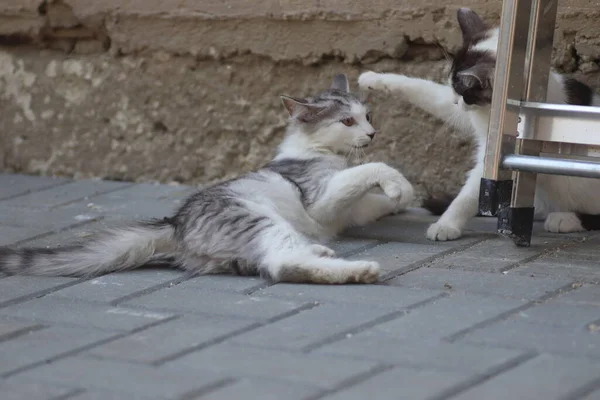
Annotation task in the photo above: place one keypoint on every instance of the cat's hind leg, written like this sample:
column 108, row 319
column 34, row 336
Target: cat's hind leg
column 304, row 267
column 286, row 256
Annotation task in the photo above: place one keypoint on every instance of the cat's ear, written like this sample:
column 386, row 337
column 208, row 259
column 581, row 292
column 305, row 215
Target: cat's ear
column 293, row 105
column 340, row 82
column 470, row 23
column 300, row 108
column 478, row 74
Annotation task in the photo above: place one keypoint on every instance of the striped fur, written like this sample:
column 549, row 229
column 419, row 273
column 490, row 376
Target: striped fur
column 267, row 222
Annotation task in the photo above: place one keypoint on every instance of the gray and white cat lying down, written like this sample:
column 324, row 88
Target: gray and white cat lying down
column 269, row 222
column 568, row 204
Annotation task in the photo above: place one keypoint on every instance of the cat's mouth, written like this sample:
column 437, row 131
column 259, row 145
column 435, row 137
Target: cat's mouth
column 362, row 146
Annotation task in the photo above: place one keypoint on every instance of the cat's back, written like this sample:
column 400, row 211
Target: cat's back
column 308, row 175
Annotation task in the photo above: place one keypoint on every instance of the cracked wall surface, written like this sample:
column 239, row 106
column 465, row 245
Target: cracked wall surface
column 188, row 91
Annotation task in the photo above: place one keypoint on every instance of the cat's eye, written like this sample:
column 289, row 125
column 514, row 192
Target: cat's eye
column 348, row 121
column 369, row 117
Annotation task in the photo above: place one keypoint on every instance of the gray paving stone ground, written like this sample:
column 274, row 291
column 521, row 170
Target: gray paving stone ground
column 475, row 318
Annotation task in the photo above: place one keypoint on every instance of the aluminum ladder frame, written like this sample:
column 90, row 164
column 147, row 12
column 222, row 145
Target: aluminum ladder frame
column 526, row 135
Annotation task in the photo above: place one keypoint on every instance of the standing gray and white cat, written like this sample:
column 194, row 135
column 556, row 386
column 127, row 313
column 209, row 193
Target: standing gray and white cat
column 267, row 222
column 568, row 204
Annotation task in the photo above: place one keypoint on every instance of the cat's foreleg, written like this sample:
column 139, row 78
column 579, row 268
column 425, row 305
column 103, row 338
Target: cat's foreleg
column 461, row 210
column 436, row 99
column 349, row 186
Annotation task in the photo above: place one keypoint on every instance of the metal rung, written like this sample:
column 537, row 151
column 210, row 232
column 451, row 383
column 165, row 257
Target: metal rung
column 564, row 110
column 552, row 166
column 559, row 123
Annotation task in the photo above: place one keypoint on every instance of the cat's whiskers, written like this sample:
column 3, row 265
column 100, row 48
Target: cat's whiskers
column 446, row 55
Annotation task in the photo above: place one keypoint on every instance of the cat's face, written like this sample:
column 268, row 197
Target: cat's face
column 335, row 119
column 472, row 74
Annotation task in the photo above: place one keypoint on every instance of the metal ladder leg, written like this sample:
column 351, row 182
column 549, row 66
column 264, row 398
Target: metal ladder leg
column 537, row 73
column 522, row 72
column 496, row 184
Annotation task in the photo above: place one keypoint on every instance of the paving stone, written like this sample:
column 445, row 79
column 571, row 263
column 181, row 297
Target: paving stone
column 156, row 343
column 313, row 326
column 152, row 191
column 397, row 256
column 62, row 194
column 13, row 287
column 564, row 268
column 262, row 389
column 45, row 344
column 141, row 201
column 444, row 317
column 518, row 334
column 395, row 229
column 76, row 234
column 345, row 246
column 110, row 395
column 44, row 221
column 377, row 295
column 225, row 283
column 111, row 287
column 560, row 314
column 544, row 377
column 15, row 185
column 13, row 234
column 403, row 383
column 294, row 341
column 586, row 294
column 75, row 312
column 215, row 303
column 506, row 285
column 122, row 377
column 9, row 328
column 496, row 255
column 420, row 354
column 24, row 390
column 595, row 395
column 309, row 369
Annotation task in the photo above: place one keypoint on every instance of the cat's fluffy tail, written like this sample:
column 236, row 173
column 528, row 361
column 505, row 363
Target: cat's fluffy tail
column 437, row 205
column 115, row 250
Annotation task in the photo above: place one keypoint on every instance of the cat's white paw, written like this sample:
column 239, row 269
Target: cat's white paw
column 396, row 186
column 442, row 232
column 371, row 81
column 364, row 272
column 322, row 251
column 401, row 192
column 563, row 222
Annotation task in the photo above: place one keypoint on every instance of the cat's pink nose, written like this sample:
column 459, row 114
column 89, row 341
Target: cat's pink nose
column 371, row 135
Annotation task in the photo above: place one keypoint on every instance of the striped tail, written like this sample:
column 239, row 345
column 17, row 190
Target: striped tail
column 114, row 250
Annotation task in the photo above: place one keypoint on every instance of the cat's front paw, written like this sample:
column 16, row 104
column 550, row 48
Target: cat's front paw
column 400, row 191
column 563, row 222
column 443, row 232
column 371, row 81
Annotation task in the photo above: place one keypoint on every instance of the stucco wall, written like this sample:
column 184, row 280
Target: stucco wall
column 188, row 90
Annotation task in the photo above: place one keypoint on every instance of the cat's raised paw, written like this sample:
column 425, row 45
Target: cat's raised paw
column 370, row 81
column 322, row 251
column 563, row 222
column 441, row 232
